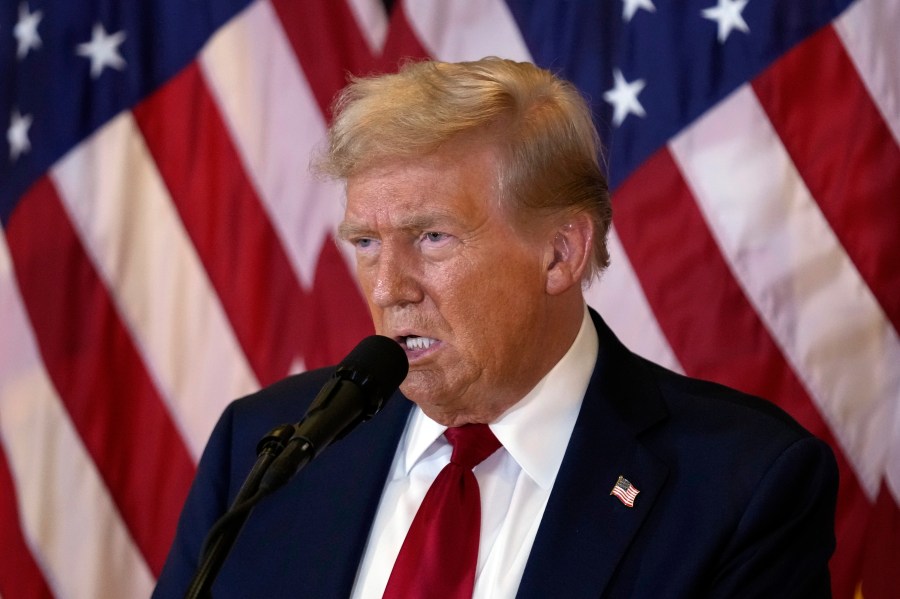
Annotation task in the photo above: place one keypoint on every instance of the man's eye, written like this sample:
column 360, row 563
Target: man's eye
column 363, row 242
column 435, row 236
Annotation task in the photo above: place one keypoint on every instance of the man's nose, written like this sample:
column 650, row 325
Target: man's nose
column 396, row 279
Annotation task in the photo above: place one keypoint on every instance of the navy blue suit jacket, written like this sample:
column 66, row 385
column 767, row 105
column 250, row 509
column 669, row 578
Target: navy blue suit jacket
column 736, row 499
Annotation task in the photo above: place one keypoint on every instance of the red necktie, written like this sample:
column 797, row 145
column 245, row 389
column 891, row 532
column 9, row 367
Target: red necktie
column 439, row 555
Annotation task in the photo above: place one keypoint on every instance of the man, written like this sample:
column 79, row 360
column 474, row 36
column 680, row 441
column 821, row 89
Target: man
column 477, row 211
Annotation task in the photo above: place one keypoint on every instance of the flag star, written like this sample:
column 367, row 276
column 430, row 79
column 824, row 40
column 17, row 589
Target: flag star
column 103, row 50
column 17, row 135
column 727, row 13
column 26, row 32
column 624, row 98
column 632, row 6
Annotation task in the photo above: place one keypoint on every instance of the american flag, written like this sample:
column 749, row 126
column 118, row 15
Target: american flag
column 625, row 491
column 164, row 248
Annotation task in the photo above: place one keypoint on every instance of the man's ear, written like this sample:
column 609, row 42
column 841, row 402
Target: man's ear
column 570, row 253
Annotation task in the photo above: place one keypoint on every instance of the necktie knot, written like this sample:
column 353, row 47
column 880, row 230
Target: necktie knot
column 472, row 444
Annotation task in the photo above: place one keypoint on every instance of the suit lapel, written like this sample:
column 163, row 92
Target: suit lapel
column 585, row 531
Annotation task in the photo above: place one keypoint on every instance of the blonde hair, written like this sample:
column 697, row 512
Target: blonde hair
column 548, row 146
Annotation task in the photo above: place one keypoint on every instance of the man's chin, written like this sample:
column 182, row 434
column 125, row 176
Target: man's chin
column 447, row 411
column 448, row 416
column 420, row 390
column 425, row 393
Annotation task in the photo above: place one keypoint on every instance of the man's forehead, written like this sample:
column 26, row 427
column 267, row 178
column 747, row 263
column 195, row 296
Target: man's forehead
column 422, row 193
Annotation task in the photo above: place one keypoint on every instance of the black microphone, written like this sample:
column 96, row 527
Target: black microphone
column 358, row 389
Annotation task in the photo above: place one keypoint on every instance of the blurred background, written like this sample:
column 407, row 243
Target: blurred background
column 165, row 250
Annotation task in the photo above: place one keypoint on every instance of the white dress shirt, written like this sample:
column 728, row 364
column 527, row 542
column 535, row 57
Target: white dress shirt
column 515, row 482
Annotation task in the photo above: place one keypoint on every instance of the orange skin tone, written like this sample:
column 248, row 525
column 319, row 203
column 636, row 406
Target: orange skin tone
column 438, row 257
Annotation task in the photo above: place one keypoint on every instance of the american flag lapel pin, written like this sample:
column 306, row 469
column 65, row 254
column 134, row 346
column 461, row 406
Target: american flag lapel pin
column 625, row 491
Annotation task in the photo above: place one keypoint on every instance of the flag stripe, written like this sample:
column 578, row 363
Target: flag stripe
column 402, row 42
column 845, row 153
column 71, row 523
column 328, row 44
column 92, row 361
column 868, row 30
column 275, row 124
column 494, row 33
column 715, row 333
column 373, row 22
column 882, row 556
column 225, row 221
column 341, row 316
column 20, row 576
column 145, row 258
column 796, row 275
column 273, row 118
column 690, row 291
column 619, row 297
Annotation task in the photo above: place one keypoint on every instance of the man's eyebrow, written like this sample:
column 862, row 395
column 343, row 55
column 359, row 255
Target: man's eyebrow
column 414, row 223
column 347, row 231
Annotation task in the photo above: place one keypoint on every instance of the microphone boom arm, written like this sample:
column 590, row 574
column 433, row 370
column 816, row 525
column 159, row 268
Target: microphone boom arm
column 225, row 531
column 358, row 389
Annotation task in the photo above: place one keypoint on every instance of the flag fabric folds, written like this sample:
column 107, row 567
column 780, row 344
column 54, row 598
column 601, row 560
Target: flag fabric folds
column 165, row 248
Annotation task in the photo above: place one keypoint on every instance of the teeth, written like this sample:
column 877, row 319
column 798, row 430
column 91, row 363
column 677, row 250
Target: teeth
column 419, row 342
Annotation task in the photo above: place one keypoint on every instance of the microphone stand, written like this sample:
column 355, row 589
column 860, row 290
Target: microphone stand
column 224, row 532
column 357, row 390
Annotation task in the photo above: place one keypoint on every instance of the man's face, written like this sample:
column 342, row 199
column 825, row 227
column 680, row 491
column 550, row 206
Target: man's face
column 447, row 275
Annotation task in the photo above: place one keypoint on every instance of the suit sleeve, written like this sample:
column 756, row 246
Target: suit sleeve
column 785, row 537
column 207, row 500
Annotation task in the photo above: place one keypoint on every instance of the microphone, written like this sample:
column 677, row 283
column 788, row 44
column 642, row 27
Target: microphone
column 358, row 389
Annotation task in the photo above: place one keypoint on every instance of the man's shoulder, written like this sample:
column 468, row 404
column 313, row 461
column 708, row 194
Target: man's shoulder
column 685, row 394
column 247, row 419
column 649, row 397
column 724, row 428
column 290, row 395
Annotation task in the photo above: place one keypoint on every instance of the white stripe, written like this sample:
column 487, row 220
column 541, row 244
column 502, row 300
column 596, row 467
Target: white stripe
column 276, row 124
column 868, row 30
column 372, row 20
column 892, row 468
column 130, row 229
column 71, row 524
column 467, row 29
column 618, row 296
column 796, row 274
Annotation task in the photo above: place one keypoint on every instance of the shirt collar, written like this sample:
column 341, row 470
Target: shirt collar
column 536, row 430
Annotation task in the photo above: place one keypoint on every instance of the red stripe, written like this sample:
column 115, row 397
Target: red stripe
column 844, row 151
column 20, row 575
column 402, row 41
column 246, row 263
column 882, row 556
column 713, row 329
column 98, row 373
column 328, row 43
column 338, row 317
